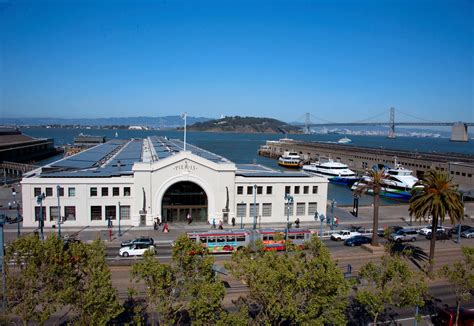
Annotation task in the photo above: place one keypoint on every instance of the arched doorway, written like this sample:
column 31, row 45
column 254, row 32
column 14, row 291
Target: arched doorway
column 181, row 198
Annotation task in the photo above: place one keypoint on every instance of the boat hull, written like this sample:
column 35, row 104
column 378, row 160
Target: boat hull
column 289, row 165
column 343, row 181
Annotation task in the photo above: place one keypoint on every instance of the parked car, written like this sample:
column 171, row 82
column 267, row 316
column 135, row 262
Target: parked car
column 403, row 235
column 447, row 317
column 136, row 249
column 343, row 235
column 388, row 230
column 464, row 227
column 357, row 241
column 142, row 240
column 69, row 239
column 440, row 235
column 468, row 233
column 427, row 229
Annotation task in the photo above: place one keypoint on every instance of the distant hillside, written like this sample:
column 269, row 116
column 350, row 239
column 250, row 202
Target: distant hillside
column 245, row 125
column 155, row 122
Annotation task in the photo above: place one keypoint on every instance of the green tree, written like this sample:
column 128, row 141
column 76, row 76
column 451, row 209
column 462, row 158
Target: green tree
column 36, row 277
column 373, row 182
column 92, row 296
column 300, row 287
column 437, row 196
column 185, row 287
column 389, row 282
column 461, row 277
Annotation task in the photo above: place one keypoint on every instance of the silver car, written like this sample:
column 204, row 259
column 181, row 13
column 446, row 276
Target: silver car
column 404, row 235
column 468, row 233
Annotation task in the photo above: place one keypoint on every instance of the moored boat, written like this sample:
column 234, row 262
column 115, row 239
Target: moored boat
column 290, row 160
column 335, row 172
column 344, row 140
column 398, row 183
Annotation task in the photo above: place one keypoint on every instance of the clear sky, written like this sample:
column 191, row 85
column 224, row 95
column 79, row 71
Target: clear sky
column 339, row 60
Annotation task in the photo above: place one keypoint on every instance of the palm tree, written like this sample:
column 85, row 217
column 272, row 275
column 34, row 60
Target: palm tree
column 374, row 182
column 437, row 196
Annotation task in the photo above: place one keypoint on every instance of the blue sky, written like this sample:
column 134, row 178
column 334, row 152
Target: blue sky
column 338, row 60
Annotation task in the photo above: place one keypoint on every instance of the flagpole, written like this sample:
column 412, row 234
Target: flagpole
column 185, row 115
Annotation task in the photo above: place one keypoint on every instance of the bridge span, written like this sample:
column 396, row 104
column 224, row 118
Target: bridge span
column 459, row 129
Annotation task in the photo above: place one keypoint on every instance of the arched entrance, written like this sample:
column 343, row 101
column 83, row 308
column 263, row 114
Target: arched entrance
column 181, row 198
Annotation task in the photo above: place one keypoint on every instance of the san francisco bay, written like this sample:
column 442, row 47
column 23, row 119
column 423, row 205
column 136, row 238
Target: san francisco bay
column 242, row 148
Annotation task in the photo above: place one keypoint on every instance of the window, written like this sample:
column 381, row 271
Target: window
column 259, row 190
column 469, row 175
column 115, row 191
column 457, row 172
column 287, row 189
column 297, row 189
column 249, row 190
column 93, row 192
column 96, row 213
column 266, row 209
column 105, row 191
column 254, row 209
column 49, row 192
column 70, row 213
column 71, row 192
column 300, row 209
column 315, row 189
column 269, row 190
column 124, row 212
column 290, row 211
column 53, row 213
column 463, row 174
column 306, row 190
column 241, row 210
column 37, row 191
column 110, row 212
column 126, row 191
column 61, row 192
column 240, row 190
column 312, row 208
column 38, row 213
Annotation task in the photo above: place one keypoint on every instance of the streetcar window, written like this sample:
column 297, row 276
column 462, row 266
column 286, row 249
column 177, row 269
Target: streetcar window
column 203, row 239
column 300, row 236
column 240, row 238
column 193, row 239
column 221, row 239
column 211, row 240
column 292, row 237
column 230, row 238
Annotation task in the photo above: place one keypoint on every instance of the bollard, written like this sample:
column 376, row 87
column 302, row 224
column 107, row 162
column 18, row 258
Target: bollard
column 110, row 234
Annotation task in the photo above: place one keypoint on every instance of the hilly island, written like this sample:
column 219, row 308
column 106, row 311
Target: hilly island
column 245, row 125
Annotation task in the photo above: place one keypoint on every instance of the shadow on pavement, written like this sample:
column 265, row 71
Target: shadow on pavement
column 413, row 253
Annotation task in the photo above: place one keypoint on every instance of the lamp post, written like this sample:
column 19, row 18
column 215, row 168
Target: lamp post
column 119, row 218
column 58, row 189
column 321, row 218
column 254, row 207
column 333, row 205
column 289, row 201
column 39, row 200
column 242, row 216
column 17, row 211
column 4, row 279
column 459, row 226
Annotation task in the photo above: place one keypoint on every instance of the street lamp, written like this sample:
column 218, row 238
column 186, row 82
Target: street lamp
column 242, row 215
column 254, row 207
column 58, row 191
column 119, row 218
column 333, row 205
column 289, row 201
column 17, row 211
column 39, row 200
column 321, row 218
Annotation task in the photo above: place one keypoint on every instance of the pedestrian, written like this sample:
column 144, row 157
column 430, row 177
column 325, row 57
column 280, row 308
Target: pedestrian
column 189, row 217
column 213, row 222
column 9, row 205
column 233, row 221
column 297, row 222
column 109, row 222
column 221, row 227
column 155, row 226
column 336, row 221
column 165, row 228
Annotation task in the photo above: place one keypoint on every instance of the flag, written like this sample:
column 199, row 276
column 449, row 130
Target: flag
column 184, row 115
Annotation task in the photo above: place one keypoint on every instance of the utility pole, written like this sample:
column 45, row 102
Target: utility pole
column 17, row 204
column 119, row 218
column 58, row 191
column 254, row 207
column 289, row 201
column 39, row 200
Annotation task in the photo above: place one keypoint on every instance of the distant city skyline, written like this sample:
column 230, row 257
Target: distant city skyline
column 339, row 60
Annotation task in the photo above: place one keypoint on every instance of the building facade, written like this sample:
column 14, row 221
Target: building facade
column 142, row 181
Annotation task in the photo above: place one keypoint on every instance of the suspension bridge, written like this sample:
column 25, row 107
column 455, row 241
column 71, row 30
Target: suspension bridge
column 459, row 129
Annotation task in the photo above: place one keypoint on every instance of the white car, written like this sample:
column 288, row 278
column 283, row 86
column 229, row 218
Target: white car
column 136, row 250
column 343, row 235
column 427, row 229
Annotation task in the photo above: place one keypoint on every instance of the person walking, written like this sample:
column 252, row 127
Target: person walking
column 233, row 221
column 213, row 222
column 189, row 217
column 221, row 227
column 165, row 228
column 297, row 222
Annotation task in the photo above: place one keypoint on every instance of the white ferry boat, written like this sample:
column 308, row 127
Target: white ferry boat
column 344, row 140
column 398, row 184
column 335, row 172
column 290, row 160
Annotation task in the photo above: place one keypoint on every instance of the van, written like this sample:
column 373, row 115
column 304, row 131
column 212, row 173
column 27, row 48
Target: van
column 447, row 317
column 404, row 235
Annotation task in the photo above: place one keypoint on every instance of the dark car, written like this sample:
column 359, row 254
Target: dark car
column 464, row 227
column 447, row 317
column 142, row 240
column 441, row 235
column 357, row 241
column 70, row 239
